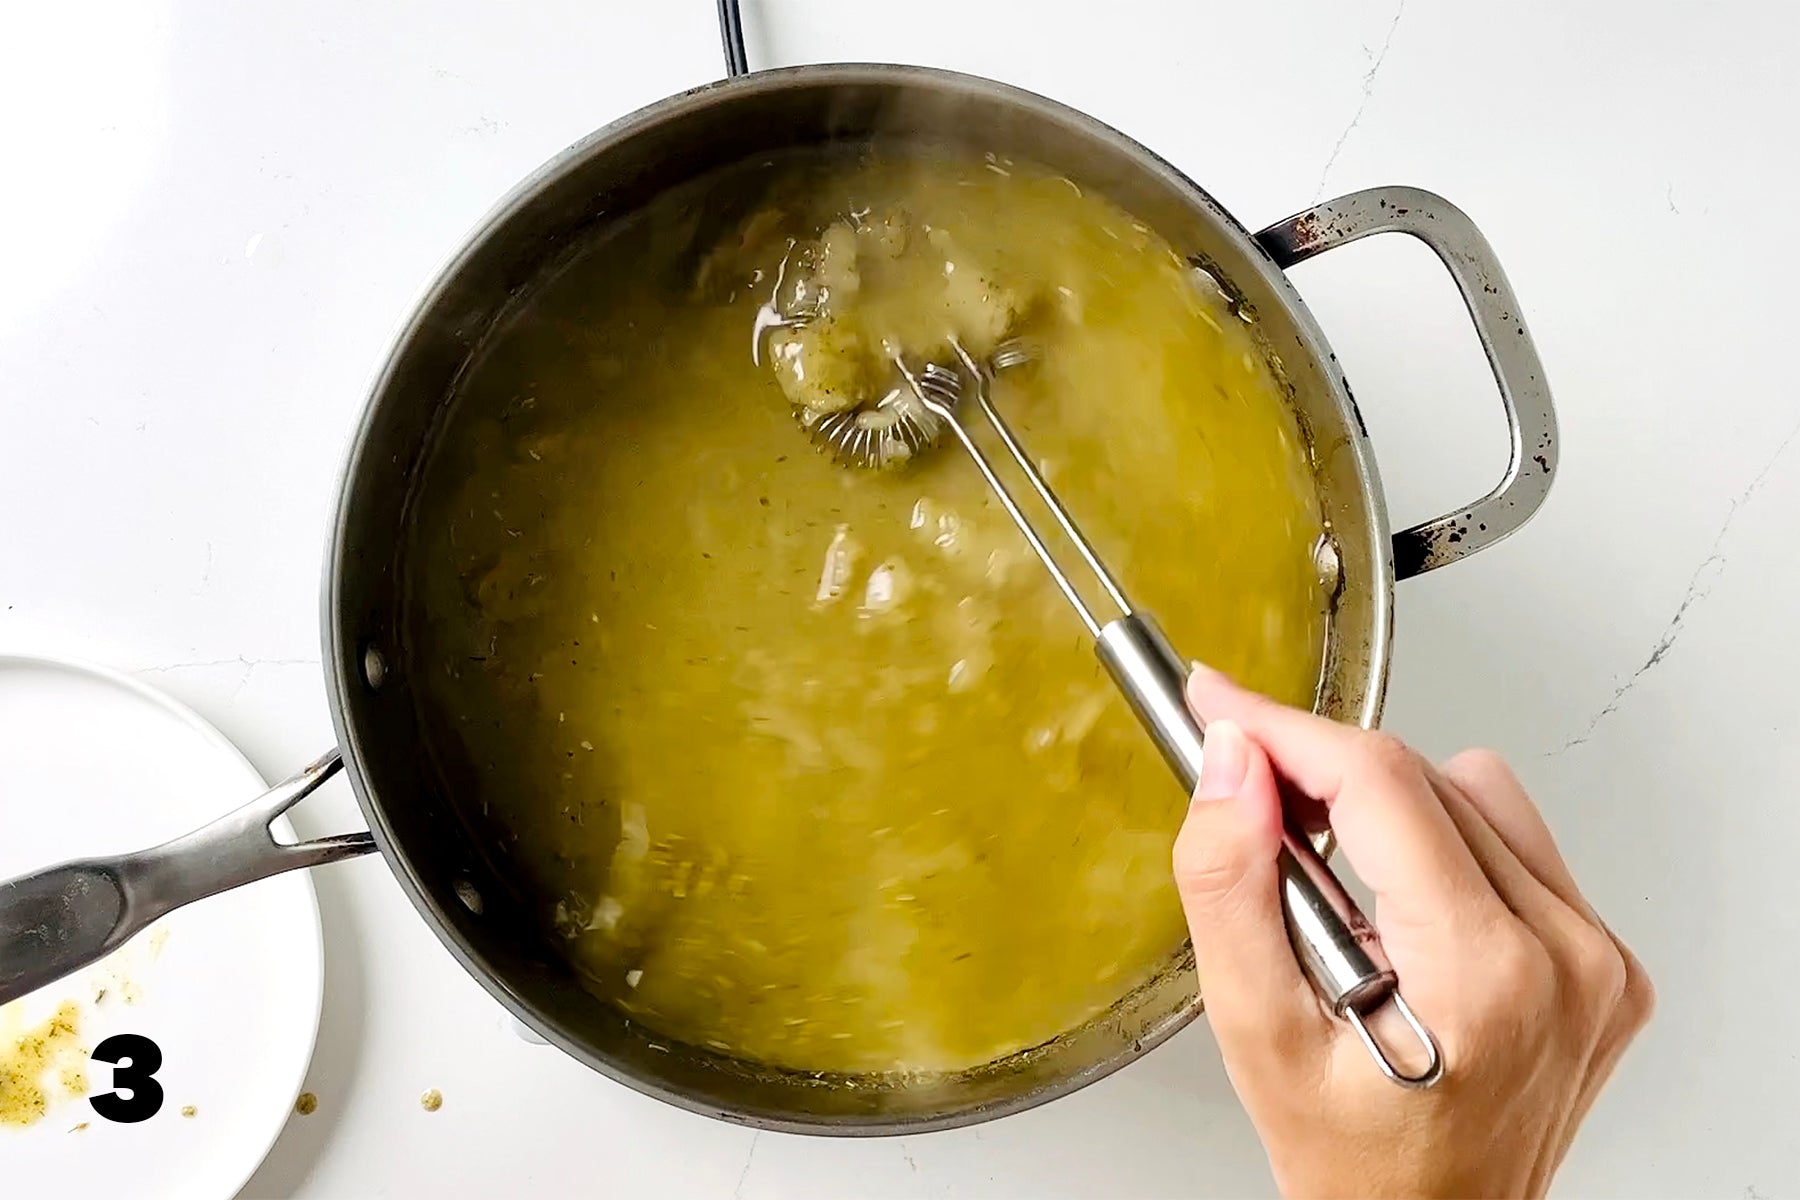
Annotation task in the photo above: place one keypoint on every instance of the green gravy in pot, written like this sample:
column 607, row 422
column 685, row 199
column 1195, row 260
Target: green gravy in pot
column 814, row 766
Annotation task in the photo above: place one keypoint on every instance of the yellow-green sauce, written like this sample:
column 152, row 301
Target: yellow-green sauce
column 814, row 766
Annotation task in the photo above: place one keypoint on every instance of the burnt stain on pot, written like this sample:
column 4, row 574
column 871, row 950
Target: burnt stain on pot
column 1414, row 555
column 1215, row 277
column 1355, row 408
column 1289, row 242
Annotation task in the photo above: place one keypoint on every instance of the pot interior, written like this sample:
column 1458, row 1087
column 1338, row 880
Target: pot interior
column 415, row 801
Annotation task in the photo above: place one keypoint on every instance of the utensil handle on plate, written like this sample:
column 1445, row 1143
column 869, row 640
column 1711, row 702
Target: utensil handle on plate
column 1336, row 945
column 1524, row 392
column 58, row 920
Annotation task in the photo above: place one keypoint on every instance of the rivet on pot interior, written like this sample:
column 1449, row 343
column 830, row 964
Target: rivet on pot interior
column 1327, row 563
column 465, row 891
column 374, row 667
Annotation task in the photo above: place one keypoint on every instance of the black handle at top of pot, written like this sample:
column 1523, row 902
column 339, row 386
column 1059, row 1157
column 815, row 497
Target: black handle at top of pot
column 731, row 33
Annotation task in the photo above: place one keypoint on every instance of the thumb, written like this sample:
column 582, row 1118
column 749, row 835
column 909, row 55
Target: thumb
column 1225, row 869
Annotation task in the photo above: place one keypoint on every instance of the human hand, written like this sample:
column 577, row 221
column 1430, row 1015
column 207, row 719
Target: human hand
column 1531, row 998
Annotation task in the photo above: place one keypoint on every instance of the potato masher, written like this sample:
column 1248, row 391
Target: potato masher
column 1336, row 945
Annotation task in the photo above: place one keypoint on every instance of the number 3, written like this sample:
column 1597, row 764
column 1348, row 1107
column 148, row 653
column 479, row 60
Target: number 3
column 135, row 1059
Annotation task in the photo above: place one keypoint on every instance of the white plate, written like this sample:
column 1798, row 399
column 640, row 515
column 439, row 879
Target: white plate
column 94, row 763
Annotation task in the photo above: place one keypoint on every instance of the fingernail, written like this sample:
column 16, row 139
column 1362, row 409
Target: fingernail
column 1225, row 762
column 1204, row 677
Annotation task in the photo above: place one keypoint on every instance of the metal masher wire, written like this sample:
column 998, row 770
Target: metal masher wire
column 939, row 390
column 1057, row 511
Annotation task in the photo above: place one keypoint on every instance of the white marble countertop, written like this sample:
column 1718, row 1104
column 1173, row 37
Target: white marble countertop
column 216, row 215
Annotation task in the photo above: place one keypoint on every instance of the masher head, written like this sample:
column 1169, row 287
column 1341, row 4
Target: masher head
column 890, row 432
column 912, row 417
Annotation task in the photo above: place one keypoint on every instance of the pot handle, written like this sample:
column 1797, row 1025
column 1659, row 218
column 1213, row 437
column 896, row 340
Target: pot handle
column 1530, row 415
column 60, row 919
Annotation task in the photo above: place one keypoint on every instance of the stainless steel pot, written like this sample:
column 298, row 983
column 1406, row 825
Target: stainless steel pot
column 57, row 920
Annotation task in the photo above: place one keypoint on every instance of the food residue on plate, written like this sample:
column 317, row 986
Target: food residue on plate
column 188, row 1110
column 28, row 1055
column 432, row 1100
column 306, row 1104
column 45, row 1060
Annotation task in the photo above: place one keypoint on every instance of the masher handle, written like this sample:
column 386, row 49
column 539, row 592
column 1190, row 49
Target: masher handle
column 1336, row 945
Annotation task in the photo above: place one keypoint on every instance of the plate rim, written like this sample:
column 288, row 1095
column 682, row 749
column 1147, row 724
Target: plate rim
column 216, row 739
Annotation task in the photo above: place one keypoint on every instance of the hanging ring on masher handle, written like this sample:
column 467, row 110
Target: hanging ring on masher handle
column 1340, row 950
column 1434, row 1057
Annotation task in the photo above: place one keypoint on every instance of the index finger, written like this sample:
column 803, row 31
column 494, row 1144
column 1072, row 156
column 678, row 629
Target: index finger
column 1387, row 817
